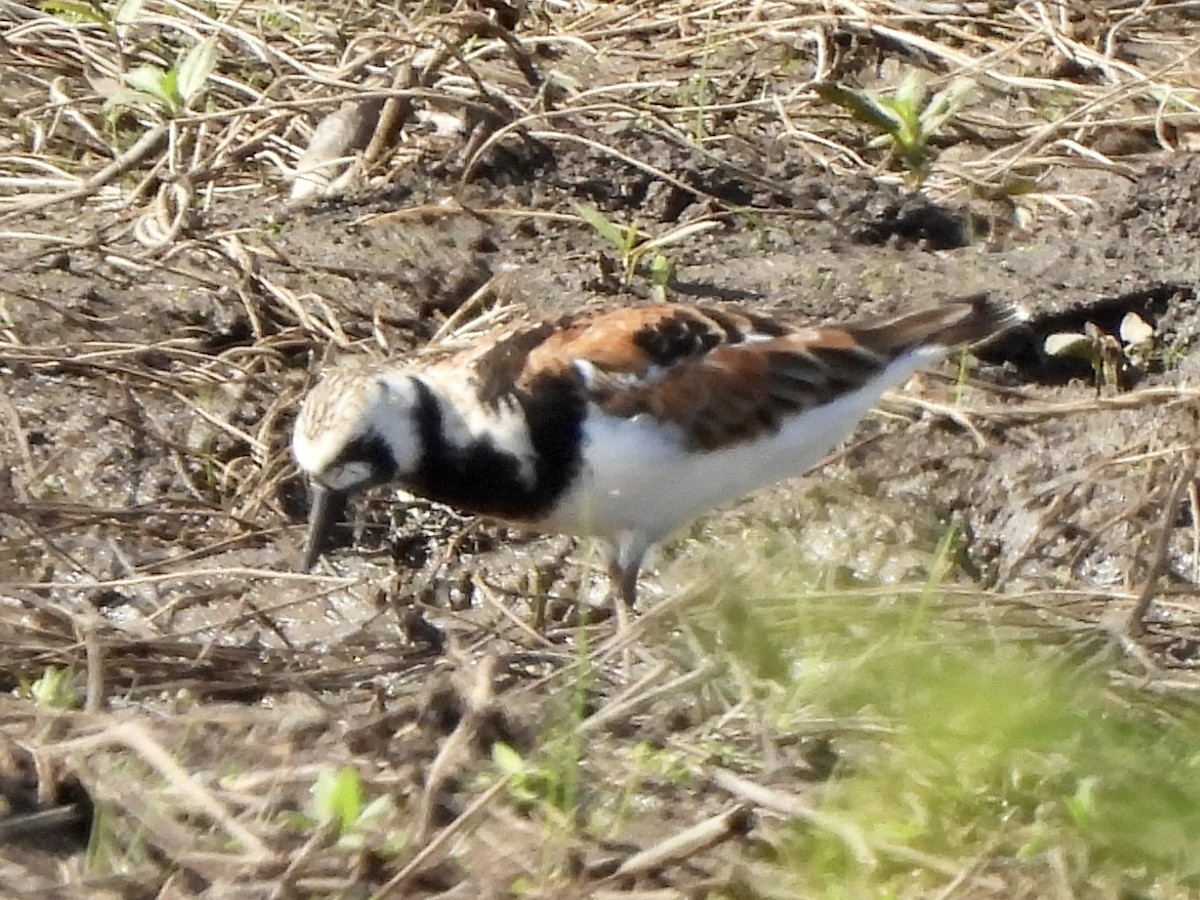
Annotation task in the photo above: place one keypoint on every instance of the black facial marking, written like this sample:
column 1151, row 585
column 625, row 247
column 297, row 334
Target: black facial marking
column 482, row 479
column 372, row 449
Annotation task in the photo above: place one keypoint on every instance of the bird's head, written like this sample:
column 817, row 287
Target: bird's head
column 355, row 430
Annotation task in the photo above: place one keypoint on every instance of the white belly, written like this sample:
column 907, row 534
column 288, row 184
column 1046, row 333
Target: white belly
column 637, row 476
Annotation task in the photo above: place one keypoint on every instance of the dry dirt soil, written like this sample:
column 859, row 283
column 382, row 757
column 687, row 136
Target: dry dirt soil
column 151, row 521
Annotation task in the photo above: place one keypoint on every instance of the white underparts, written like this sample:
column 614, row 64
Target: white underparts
column 639, row 479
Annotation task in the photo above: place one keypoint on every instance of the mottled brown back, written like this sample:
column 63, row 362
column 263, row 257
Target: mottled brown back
column 720, row 374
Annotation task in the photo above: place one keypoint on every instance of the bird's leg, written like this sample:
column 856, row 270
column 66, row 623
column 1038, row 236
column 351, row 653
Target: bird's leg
column 624, row 595
column 626, row 581
column 627, row 562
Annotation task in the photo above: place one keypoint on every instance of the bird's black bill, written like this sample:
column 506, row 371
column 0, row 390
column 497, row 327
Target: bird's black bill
column 328, row 507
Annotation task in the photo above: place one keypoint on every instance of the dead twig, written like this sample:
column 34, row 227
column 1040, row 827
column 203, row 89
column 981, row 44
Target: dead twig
column 1136, row 624
column 149, row 143
column 137, row 738
column 795, row 807
column 456, row 749
column 702, row 836
column 438, row 847
column 167, row 577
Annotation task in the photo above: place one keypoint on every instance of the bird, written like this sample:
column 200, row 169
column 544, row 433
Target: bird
column 623, row 424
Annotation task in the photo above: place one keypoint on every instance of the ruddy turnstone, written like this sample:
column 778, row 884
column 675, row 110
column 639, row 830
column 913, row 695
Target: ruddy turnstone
column 623, row 425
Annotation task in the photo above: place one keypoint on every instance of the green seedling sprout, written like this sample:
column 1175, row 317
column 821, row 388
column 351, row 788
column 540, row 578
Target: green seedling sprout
column 93, row 13
column 638, row 252
column 337, row 797
column 77, row 11
column 549, row 785
column 339, row 800
column 171, row 91
column 54, row 689
column 906, row 120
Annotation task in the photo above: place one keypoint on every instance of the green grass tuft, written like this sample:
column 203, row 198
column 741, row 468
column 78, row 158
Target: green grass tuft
column 1004, row 759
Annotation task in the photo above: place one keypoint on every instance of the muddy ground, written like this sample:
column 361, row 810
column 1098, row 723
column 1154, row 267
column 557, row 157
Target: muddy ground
column 152, row 522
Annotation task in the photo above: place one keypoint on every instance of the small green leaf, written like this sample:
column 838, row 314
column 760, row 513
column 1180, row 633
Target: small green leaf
column 75, row 11
column 662, row 273
column 911, row 93
column 662, row 270
column 1082, row 805
column 170, row 89
column 127, row 11
column 862, row 107
column 148, row 80
column 337, row 797
column 507, row 760
column 945, row 104
column 629, row 240
column 55, row 689
column 602, row 226
column 194, row 68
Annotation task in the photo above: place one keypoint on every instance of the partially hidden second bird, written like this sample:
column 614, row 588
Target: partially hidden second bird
column 624, row 424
